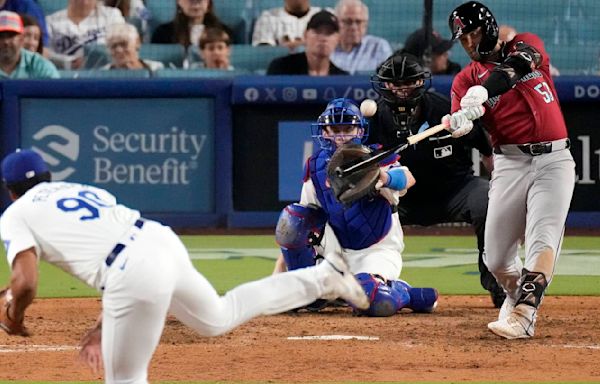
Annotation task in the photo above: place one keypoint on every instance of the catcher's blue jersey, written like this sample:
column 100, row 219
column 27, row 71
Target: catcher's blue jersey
column 359, row 226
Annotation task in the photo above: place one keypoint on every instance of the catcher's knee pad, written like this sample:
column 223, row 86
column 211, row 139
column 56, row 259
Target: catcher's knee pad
column 298, row 229
column 422, row 300
column 385, row 301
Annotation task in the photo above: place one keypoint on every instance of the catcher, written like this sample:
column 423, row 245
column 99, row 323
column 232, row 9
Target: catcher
column 352, row 216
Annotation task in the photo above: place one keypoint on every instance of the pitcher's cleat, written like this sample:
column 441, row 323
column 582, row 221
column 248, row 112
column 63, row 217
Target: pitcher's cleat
column 343, row 284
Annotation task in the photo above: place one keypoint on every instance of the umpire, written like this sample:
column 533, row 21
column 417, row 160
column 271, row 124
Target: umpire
column 446, row 188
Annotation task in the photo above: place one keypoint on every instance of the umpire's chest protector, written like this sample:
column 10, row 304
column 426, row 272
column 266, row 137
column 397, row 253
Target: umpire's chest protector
column 359, row 226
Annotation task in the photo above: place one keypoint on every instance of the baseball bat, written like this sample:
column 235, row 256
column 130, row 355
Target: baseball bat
column 362, row 164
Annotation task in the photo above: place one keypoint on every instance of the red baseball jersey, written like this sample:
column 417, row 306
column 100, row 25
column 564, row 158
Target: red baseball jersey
column 528, row 113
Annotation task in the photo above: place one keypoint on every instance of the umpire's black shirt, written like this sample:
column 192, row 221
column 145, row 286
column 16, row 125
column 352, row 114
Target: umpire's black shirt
column 440, row 164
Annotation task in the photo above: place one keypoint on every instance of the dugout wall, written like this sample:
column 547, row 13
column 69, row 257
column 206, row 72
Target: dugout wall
column 222, row 152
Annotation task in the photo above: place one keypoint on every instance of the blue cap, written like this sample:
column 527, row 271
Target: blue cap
column 22, row 165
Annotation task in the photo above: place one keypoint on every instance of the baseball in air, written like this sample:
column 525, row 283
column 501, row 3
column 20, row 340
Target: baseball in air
column 368, row 107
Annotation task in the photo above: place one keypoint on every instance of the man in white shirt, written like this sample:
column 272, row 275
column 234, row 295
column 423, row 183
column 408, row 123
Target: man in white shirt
column 140, row 266
column 356, row 50
column 284, row 26
column 81, row 23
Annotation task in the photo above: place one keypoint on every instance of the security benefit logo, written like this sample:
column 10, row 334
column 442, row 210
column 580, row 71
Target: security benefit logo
column 59, row 147
column 167, row 157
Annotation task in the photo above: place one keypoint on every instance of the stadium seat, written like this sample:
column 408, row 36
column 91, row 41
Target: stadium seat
column 198, row 72
column 171, row 55
column 255, row 59
column 51, row 6
column 161, row 11
column 96, row 56
column 104, row 74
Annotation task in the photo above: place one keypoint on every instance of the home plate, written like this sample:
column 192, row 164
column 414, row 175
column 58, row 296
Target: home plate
column 333, row 337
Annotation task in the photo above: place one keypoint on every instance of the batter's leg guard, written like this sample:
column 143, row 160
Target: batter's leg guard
column 385, row 301
column 532, row 288
column 422, row 300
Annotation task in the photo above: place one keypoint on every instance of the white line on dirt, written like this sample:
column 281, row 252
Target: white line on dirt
column 333, row 337
column 36, row 348
column 580, row 346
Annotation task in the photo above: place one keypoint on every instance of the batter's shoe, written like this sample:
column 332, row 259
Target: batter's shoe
column 343, row 284
column 514, row 326
column 506, row 309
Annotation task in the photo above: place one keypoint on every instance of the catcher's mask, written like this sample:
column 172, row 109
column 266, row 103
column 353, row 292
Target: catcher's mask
column 401, row 80
column 470, row 16
column 339, row 120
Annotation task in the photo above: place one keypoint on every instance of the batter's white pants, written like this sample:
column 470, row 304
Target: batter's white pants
column 529, row 195
column 153, row 275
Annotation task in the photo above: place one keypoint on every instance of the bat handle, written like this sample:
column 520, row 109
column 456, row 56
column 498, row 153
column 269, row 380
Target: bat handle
column 426, row 133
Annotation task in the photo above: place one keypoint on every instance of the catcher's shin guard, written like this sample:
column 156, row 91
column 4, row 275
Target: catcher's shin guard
column 422, row 300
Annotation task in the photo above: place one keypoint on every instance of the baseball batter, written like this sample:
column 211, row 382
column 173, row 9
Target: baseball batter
column 534, row 172
column 140, row 266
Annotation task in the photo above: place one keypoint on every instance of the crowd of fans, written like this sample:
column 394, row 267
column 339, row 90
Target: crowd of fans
column 320, row 41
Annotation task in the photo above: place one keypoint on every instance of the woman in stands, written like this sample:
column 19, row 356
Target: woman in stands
column 191, row 17
column 32, row 36
column 123, row 42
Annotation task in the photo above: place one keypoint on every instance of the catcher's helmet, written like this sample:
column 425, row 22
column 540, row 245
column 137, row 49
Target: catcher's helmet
column 400, row 80
column 468, row 17
column 340, row 112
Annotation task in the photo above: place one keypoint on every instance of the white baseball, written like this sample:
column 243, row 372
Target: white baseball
column 368, row 107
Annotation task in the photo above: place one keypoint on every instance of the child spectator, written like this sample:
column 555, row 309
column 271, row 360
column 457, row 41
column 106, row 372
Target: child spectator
column 215, row 49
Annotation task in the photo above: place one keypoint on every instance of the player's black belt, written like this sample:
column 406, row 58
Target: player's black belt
column 533, row 149
column 139, row 223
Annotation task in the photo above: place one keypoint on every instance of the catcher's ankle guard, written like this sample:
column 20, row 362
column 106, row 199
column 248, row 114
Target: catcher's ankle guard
column 532, row 288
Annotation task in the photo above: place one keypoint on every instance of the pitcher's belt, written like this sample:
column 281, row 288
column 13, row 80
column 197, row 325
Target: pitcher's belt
column 533, row 149
column 139, row 223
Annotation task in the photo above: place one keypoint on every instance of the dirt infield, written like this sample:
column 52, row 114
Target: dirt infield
column 449, row 345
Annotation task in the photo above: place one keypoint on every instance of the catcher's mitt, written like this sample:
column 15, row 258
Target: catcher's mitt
column 349, row 188
column 7, row 324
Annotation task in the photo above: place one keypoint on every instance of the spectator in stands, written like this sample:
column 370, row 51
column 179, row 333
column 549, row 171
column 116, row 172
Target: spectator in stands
column 32, row 35
column 507, row 33
column 357, row 51
column 191, row 17
column 440, row 63
column 81, row 24
column 123, row 42
column 17, row 62
column 27, row 7
column 284, row 26
column 135, row 12
column 215, row 49
column 321, row 36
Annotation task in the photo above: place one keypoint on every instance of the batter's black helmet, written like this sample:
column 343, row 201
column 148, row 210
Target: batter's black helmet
column 400, row 69
column 468, row 17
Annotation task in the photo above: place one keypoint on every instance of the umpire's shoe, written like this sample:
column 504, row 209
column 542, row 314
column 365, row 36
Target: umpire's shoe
column 342, row 283
column 517, row 325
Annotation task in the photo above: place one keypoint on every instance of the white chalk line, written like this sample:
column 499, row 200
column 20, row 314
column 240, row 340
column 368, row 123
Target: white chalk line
column 36, row 348
column 334, row 337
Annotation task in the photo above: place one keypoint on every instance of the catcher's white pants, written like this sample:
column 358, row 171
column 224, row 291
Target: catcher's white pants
column 153, row 275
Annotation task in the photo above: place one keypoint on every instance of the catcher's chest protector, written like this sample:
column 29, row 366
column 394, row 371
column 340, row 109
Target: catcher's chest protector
column 361, row 225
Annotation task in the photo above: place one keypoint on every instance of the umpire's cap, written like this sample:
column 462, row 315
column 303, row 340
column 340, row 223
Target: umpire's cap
column 22, row 165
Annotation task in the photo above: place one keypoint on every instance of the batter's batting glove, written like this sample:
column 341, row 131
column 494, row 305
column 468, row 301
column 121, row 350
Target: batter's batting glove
column 458, row 123
column 475, row 97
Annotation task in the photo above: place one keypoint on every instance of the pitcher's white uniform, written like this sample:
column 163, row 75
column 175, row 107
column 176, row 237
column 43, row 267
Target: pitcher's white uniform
column 76, row 227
